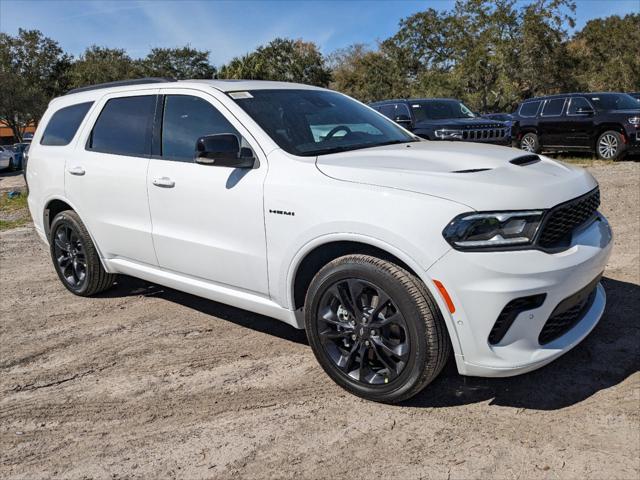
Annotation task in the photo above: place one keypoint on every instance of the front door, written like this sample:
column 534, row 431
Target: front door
column 580, row 125
column 208, row 221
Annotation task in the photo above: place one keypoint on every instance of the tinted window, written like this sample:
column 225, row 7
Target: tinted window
column 124, row 126
column 186, row 119
column 316, row 122
column 440, row 110
column 64, row 124
column 576, row 103
column 553, row 107
column 529, row 109
column 614, row 101
column 388, row 110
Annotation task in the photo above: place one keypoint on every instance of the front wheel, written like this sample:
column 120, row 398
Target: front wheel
column 75, row 257
column 530, row 143
column 374, row 328
column 610, row 146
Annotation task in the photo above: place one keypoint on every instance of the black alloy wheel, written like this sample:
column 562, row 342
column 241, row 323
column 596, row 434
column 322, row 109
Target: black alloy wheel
column 374, row 328
column 363, row 332
column 75, row 257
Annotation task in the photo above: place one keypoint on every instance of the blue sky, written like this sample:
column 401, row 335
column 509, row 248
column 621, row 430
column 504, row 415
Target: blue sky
column 230, row 28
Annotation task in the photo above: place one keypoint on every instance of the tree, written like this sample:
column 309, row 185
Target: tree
column 366, row 75
column 490, row 54
column 101, row 64
column 33, row 69
column 282, row 59
column 606, row 54
column 179, row 63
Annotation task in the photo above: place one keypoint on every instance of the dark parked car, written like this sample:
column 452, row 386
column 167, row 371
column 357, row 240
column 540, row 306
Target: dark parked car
column 605, row 123
column 443, row 119
column 18, row 154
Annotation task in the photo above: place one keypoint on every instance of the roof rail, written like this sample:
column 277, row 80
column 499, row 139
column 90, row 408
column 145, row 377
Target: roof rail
column 121, row 83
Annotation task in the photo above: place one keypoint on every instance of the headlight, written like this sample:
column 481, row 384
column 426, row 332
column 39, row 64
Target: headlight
column 634, row 120
column 500, row 230
column 447, row 134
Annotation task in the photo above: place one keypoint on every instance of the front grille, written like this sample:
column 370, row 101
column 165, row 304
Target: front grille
column 484, row 134
column 562, row 220
column 568, row 313
column 509, row 313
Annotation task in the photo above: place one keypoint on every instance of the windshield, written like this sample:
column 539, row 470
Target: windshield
column 614, row 101
column 439, row 110
column 316, row 122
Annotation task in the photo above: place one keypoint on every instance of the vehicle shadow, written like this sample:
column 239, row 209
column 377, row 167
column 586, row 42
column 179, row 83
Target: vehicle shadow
column 605, row 358
column 609, row 355
column 129, row 286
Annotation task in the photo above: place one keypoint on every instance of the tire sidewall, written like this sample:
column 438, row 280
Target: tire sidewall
column 402, row 299
column 69, row 218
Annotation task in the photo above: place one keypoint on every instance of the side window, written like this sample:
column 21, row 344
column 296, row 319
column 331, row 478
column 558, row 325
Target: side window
column 185, row 119
column 576, row 103
column 401, row 109
column 553, row 108
column 124, row 126
column 64, row 124
column 388, row 111
column 529, row 109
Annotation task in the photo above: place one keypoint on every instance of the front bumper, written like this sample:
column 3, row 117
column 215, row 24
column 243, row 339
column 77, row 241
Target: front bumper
column 481, row 284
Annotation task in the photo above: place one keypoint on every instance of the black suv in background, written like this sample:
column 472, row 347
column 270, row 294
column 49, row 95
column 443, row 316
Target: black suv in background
column 443, row 119
column 605, row 123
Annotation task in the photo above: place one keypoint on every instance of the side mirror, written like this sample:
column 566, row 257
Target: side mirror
column 223, row 150
column 584, row 111
column 402, row 119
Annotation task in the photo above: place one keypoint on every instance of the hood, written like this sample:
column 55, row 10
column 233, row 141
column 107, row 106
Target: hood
column 477, row 122
column 479, row 176
column 629, row 111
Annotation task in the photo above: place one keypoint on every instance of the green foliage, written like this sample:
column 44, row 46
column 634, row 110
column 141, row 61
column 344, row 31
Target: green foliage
column 100, row 64
column 282, row 60
column 33, row 69
column 606, row 54
column 179, row 63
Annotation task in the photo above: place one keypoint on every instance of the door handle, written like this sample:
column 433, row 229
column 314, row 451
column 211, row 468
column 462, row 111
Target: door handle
column 164, row 182
column 76, row 171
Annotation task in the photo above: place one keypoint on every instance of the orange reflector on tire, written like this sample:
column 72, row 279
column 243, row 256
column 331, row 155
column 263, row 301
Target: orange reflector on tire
column 445, row 296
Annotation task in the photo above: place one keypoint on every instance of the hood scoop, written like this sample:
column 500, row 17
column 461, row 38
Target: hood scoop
column 525, row 160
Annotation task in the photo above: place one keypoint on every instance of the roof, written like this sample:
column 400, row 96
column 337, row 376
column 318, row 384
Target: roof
column 221, row 85
column 565, row 95
column 408, row 100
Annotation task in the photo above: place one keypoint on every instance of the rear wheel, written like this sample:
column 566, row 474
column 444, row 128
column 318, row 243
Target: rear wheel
column 530, row 143
column 374, row 328
column 75, row 257
column 610, row 146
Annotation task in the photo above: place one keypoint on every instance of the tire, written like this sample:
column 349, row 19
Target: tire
column 610, row 146
column 408, row 324
column 530, row 143
column 70, row 246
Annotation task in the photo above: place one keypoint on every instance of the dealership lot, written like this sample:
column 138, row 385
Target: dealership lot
column 144, row 381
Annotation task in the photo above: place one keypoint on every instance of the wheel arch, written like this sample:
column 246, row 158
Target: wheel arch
column 55, row 205
column 318, row 253
column 616, row 127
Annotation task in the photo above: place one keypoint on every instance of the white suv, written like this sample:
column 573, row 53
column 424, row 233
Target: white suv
column 305, row 205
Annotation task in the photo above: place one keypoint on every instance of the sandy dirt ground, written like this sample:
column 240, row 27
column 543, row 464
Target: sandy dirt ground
column 147, row 382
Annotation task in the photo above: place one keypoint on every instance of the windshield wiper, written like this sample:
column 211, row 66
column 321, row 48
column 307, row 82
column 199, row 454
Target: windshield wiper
column 347, row 148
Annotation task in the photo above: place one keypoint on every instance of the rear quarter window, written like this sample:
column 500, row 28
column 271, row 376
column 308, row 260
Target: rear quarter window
column 530, row 109
column 64, row 124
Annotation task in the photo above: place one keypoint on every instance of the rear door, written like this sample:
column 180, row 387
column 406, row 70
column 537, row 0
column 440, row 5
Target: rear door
column 550, row 124
column 105, row 178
